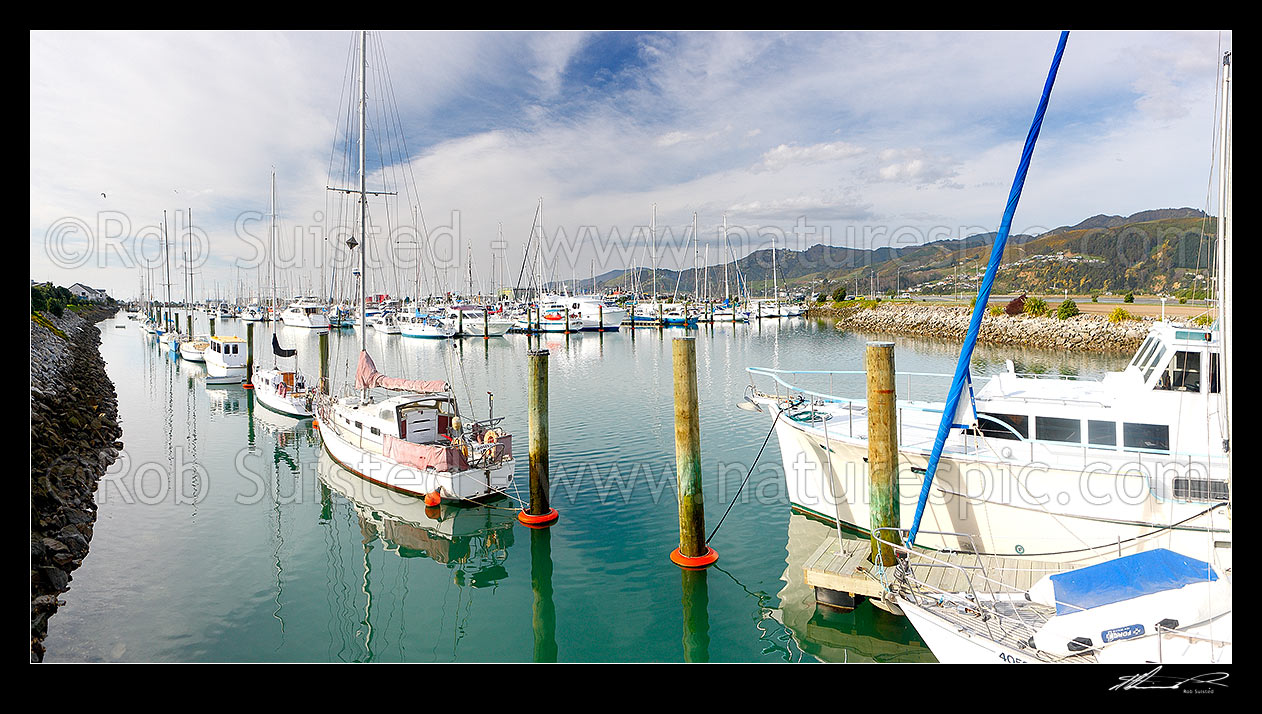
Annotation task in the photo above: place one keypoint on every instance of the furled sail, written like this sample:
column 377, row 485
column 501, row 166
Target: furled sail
column 276, row 349
column 367, row 376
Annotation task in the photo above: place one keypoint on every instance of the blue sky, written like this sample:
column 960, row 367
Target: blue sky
column 857, row 138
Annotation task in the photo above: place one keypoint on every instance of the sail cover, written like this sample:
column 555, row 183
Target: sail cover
column 276, row 349
column 367, row 376
column 1127, row 577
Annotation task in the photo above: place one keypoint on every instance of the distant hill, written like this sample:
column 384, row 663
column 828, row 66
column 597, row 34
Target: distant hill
column 1151, row 251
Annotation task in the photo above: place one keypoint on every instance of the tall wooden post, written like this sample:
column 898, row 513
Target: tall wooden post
column 249, row 355
column 539, row 514
column 486, row 322
column 692, row 551
column 188, row 320
column 882, row 449
column 324, row 362
column 600, row 313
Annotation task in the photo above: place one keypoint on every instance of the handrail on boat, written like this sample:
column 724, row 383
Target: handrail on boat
column 774, row 374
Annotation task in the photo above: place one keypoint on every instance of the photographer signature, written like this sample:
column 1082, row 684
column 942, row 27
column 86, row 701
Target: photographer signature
column 1150, row 680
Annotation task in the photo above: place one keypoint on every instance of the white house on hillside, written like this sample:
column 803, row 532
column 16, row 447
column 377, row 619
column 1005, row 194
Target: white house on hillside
column 84, row 292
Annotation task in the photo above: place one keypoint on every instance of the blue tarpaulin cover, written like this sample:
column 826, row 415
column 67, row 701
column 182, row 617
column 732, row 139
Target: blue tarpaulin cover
column 1124, row 578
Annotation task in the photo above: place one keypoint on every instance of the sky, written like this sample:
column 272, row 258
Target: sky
column 857, row 139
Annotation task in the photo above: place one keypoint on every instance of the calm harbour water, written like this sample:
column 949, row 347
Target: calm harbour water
column 224, row 533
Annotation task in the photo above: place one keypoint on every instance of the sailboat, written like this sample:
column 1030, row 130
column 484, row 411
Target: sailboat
column 169, row 334
column 284, row 391
column 194, row 350
column 412, row 439
column 1154, row 605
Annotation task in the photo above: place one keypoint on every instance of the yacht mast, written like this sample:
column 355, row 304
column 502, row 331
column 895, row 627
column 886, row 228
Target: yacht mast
column 271, row 250
column 166, row 262
column 653, row 230
column 727, row 249
column 696, row 287
column 775, row 288
column 363, row 195
column 1224, row 259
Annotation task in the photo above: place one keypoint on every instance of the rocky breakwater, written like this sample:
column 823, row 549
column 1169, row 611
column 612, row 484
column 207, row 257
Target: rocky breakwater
column 74, row 438
column 1092, row 333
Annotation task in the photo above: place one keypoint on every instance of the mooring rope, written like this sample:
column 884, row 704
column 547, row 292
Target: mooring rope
column 751, row 472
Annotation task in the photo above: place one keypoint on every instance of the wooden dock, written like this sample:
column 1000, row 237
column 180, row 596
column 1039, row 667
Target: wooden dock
column 842, row 572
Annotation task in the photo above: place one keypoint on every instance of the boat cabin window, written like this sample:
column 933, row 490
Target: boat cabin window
column 1197, row 489
column 1183, row 373
column 1213, row 373
column 1152, row 363
column 1101, row 433
column 1142, row 353
column 1002, row 426
column 1058, row 429
column 1155, row 437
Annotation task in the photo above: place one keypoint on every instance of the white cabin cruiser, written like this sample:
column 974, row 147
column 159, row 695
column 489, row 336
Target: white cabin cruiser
column 425, row 325
column 225, row 360
column 474, row 321
column 594, row 313
column 1052, row 469
column 386, row 323
column 307, row 312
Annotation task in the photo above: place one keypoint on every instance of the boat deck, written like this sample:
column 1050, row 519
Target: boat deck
column 843, row 566
column 948, row 584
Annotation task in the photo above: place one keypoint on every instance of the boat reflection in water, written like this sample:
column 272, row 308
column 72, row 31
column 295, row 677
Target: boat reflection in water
column 865, row 634
column 471, row 540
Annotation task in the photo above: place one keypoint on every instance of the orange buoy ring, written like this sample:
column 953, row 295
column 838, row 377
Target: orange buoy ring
column 694, row 563
column 543, row 521
column 433, row 498
column 490, row 437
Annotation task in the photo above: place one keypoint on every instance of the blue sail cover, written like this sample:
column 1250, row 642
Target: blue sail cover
column 1152, row 571
column 961, row 380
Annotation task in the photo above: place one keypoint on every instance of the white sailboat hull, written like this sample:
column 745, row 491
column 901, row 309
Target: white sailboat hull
column 951, row 646
column 297, row 404
column 190, row 353
column 356, row 454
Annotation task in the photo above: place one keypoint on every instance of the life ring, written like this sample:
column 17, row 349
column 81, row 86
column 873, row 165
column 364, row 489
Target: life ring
column 281, row 389
column 490, row 437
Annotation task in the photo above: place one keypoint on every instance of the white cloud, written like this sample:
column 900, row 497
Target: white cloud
column 785, row 156
column 710, row 122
